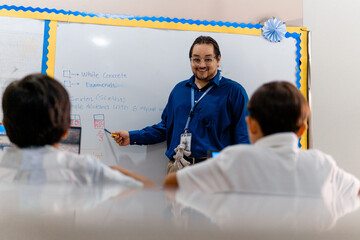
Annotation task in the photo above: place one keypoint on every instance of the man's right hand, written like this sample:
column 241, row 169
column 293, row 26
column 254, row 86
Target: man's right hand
column 122, row 137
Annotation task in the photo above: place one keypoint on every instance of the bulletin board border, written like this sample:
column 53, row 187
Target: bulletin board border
column 52, row 16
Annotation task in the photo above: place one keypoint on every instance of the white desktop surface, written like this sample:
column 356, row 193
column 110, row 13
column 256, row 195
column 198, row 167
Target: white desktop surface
column 65, row 212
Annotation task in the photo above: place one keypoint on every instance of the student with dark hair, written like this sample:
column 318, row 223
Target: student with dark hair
column 36, row 115
column 36, row 111
column 205, row 112
column 274, row 164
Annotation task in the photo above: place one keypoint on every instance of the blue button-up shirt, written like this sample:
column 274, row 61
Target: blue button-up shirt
column 218, row 120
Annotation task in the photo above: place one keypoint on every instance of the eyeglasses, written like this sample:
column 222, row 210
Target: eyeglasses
column 197, row 61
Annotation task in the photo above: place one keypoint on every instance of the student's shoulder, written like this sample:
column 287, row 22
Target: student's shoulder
column 317, row 157
column 69, row 155
column 2, row 156
column 245, row 148
column 241, row 153
column 76, row 160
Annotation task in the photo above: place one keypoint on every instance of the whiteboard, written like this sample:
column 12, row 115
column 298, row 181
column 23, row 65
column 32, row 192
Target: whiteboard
column 120, row 78
column 21, row 47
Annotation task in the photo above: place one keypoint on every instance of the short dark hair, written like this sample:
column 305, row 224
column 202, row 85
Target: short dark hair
column 206, row 40
column 278, row 107
column 36, row 111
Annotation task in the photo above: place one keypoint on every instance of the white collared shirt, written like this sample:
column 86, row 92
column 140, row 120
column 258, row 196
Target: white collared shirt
column 48, row 165
column 273, row 165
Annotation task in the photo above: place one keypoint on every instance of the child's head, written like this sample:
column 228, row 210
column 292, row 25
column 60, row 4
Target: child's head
column 36, row 111
column 277, row 107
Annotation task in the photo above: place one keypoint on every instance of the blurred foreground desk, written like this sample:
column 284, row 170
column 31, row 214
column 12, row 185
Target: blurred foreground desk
column 63, row 212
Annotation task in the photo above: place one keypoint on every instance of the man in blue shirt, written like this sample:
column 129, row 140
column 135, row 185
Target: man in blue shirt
column 207, row 111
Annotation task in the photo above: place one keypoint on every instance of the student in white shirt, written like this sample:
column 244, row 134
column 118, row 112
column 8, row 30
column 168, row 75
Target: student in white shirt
column 36, row 115
column 273, row 164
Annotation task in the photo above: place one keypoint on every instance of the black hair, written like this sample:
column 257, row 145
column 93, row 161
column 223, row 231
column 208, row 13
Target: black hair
column 206, row 40
column 36, row 111
column 278, row 107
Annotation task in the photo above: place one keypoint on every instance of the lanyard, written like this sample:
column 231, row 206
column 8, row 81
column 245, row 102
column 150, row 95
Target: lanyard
column 194, row 104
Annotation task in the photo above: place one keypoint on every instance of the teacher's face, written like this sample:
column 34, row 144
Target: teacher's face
column 203, row 62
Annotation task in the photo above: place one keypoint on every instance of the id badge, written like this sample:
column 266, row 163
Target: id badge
column 186, row 139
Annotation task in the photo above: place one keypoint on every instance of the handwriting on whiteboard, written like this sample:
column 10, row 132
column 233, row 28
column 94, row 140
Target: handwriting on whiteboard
column 92, row 74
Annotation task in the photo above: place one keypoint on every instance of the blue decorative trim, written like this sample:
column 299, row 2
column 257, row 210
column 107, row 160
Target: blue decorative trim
column 131, row 17
column 44, row 60
column 296, row 36
column 46, row 10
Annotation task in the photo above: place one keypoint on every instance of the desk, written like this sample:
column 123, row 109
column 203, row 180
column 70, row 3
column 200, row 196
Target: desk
column 65, row 212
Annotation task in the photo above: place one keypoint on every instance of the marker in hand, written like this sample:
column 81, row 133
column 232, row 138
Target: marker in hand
column 112, row 134
column 121, row 137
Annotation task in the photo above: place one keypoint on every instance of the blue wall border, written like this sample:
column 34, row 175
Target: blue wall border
column 131, row 17
column 44, row 60
column 296, row 36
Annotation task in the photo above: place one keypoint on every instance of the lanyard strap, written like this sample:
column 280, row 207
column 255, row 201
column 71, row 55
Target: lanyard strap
column 194, row 104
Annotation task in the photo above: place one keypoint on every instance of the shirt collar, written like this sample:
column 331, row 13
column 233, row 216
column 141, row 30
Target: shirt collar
column 286, row 139
column 215, row 80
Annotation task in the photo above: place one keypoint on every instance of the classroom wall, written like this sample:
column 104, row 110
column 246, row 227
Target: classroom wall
column 335, row 78
column 334, row 47
column 242, row 11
